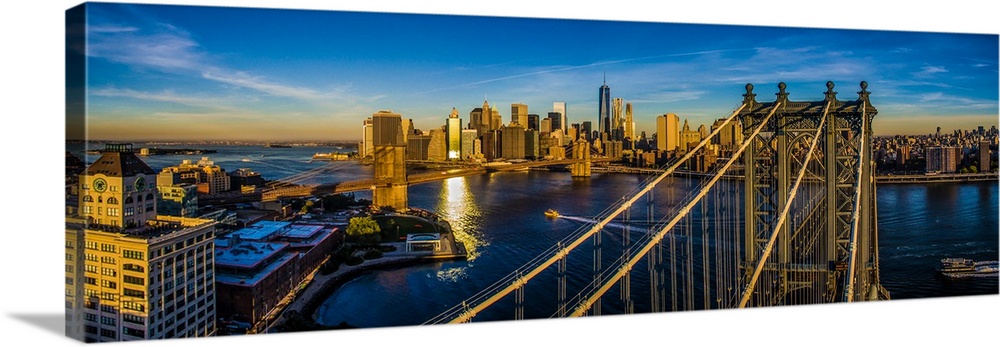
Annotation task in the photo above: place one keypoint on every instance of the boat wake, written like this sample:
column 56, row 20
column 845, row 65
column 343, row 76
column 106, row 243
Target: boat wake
column 610, row 224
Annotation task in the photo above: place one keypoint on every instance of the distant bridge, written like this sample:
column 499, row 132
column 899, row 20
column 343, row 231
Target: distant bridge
column 285, row 190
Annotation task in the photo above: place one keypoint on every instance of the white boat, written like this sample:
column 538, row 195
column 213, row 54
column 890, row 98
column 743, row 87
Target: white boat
column 331, row 156
column 963, row 267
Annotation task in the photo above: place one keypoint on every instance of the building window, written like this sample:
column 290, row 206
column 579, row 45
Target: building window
column 69, row 280
column 128, row 200
column 69, row 268
column 88, row 198
column 134, row 280
column 108, row 260
column 107, row 297
column 138, row 255
column 91, row 257
column 109, row 284
column 106, row 247
column 111, row 334
column 69, row 257
column 90, row 293
column 84, row 186
column 135, row 306
column 135, row 293
column 113, row 212
column 149, row 196
column 90, row 245
column 90, row 329
column 128, row 188
column 91, row 268
column 131, row 318
column 128, row 211
column 133, row 332
column 113, row 188
column 90, row 280
column 149, row 207
column 90, row 317
column 112, row 200
column 108, row 272
column 109, row 321
column 138, row 198
column 132, row 267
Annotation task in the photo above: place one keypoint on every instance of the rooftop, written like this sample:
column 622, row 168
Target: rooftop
column 250, row 279
column 245, row 254
column 118, row 160
column 301, row 231
column 260, row 231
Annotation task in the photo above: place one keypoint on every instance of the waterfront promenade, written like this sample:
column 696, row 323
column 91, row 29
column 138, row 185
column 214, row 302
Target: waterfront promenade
column 317, row 286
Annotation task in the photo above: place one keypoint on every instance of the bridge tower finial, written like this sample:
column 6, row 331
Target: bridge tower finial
column 863, row 94
column 830, row 94
column 749, row 98
column 782, row 94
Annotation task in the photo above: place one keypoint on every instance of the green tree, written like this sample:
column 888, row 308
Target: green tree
column 364, row 230
column 973, row 169
column 964, row 170
column 307, row 206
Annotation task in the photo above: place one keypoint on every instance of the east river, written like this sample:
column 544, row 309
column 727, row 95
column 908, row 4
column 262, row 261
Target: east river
column 500, row 216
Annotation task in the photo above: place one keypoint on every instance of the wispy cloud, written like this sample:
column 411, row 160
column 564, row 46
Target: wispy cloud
column 258, row 83
column 928, row 71
column 164, row 96
column 168, row 49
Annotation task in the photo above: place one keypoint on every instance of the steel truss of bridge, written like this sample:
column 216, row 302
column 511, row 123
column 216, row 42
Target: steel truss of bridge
column 800, row 228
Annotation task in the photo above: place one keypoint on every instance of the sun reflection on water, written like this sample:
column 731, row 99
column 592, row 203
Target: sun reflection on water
column 457, row 205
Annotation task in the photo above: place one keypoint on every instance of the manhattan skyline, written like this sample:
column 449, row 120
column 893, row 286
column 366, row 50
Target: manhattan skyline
column 208, row 73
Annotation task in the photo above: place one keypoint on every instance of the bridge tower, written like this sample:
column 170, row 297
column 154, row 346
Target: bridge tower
column 829, row 251
column 390, row 161
column 390, row 169
column 581, row 150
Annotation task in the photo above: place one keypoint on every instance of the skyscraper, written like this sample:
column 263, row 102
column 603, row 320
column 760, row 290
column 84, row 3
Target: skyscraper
column 629, row 122
column 365, row 148
column 533, row 121
column 667, row 132
column 554, row 121
column 468, row 143
column 560, row 107
column 519, row 114
column 604, row 108
column 454, row 134
column 586, row 130
column 617, row 119
column 984, row 154
column 387, row 129
column 496, row 120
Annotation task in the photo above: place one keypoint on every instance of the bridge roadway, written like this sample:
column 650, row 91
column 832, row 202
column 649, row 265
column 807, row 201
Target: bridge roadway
column 367, row 184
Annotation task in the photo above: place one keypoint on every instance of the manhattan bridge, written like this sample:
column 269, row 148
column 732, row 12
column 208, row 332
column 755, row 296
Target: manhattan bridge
column 788, row 217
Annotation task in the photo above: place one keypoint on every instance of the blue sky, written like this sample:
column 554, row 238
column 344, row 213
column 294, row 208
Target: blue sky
column 178, row 72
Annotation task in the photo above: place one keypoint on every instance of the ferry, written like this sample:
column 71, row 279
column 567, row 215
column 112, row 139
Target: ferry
column 332, row 156
column 950, row 265
column 551, row 213
column 962, row 267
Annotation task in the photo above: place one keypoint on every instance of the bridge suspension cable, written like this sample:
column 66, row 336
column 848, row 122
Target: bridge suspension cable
column 656, row 238
column 851, row 263
column 511, row 282
column 784, row 213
